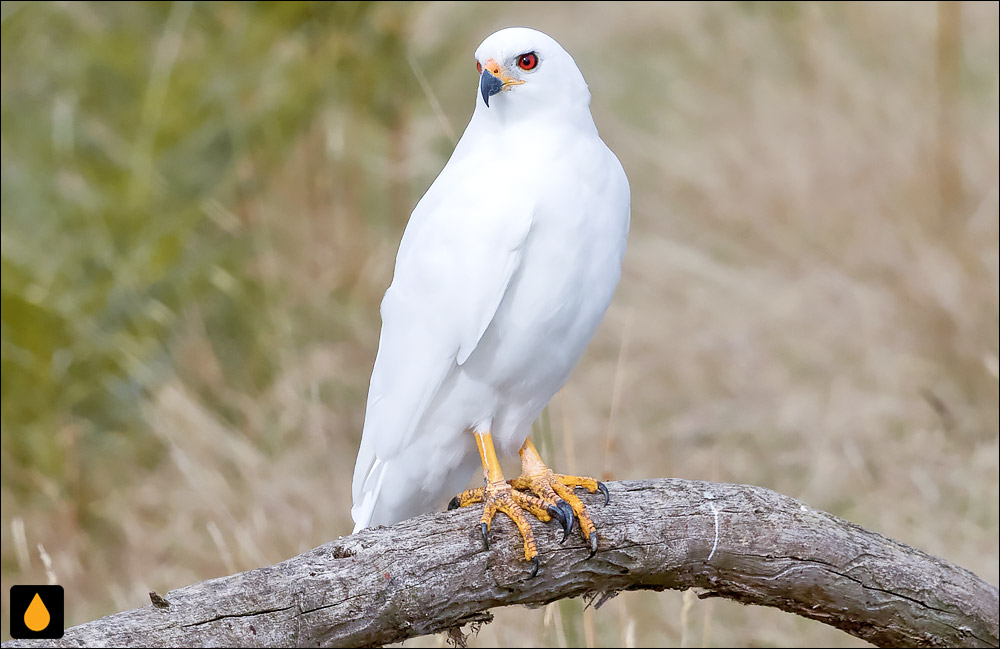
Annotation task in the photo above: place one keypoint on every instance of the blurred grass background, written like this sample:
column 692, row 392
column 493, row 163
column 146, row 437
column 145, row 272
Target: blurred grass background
column 201, row 205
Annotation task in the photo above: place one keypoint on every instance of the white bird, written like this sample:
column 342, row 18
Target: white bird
column 507, row 265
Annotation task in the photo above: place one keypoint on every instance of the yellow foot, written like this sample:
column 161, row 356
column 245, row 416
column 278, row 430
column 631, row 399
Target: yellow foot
column 553, row 497
column 499, row 496
column 556, row 491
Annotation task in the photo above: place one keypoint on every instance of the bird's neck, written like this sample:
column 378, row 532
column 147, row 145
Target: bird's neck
column 511, row 118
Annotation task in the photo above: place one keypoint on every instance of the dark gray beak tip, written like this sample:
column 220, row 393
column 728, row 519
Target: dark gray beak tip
column 489, row 85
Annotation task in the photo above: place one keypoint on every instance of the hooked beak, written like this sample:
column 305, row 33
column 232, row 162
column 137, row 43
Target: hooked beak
column 494, row 79
column 489, row 86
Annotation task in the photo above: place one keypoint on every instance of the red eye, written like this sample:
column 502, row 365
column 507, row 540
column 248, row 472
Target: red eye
column 527, row 61
column 479, row 67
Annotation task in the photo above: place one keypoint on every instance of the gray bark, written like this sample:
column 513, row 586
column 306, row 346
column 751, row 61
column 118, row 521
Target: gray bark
column 432, row 573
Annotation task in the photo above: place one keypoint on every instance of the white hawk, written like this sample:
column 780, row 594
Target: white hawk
column 506, row 267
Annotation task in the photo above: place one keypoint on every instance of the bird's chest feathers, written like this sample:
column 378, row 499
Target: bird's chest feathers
column 572, row 238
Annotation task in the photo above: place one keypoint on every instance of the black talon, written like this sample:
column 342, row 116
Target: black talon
column 593, row 545
column 604, row 490
column 557, row 514
column 534, row 567
column 484, row 530
column 566, row 519
column 453, row 503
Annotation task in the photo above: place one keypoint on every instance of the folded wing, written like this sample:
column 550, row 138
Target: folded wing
column 454, row 265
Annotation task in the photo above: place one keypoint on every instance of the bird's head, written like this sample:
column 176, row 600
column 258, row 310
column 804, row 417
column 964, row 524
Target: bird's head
column 525, row 69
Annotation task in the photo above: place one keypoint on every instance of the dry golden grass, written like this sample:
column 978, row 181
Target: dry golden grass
column 808, row 304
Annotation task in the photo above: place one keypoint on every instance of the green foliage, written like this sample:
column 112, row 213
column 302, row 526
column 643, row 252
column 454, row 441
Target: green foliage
column 126, row 129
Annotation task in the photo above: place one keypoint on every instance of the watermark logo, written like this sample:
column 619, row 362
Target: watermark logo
column 36, row 612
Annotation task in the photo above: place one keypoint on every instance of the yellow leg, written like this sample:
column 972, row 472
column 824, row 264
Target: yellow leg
column 497, row 495
column 556, row 490
column 553, row 496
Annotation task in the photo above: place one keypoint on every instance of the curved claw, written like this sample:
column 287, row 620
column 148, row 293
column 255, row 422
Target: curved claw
column 604, row 490
column 593, row 545
column 484, row 530
column 564, row 515
column 534, row 566
column 557, row 514
column 566, row 519
column 453, row 503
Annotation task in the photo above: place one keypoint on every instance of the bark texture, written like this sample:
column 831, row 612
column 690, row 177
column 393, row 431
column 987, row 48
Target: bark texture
column 432, row 573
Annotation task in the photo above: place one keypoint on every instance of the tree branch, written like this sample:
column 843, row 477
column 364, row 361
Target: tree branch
column 431, row 574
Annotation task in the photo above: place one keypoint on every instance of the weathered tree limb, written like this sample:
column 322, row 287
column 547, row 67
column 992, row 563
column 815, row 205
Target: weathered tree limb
column 432, row 573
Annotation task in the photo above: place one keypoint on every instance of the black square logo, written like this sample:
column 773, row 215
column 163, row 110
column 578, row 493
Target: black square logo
column 36, row 612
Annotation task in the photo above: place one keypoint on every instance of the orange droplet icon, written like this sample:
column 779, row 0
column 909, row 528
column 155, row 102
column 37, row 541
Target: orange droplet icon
column 37, row 616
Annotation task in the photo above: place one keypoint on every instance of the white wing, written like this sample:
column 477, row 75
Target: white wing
column 456, row 259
